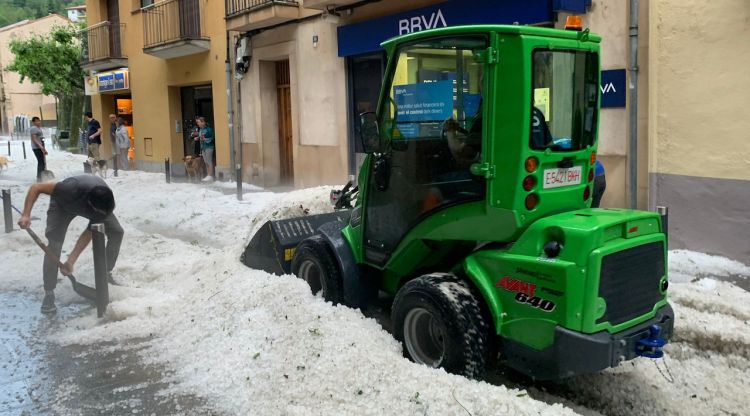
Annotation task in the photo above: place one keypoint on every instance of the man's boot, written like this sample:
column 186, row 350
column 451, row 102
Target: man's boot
column 48, row 304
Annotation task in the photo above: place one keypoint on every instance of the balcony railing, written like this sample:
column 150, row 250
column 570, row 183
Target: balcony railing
column 102, row 41
column 235, row 7
column 172, row 21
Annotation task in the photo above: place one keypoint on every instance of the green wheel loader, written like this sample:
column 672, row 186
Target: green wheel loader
column 472, row 212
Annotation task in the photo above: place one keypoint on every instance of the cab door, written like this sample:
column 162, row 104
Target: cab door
column 431, row 112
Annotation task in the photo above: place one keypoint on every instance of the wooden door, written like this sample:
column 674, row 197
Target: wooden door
column 284, row 99
column 113, row 16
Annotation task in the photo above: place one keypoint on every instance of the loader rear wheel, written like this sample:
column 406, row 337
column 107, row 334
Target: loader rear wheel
column 440, row 323
column 314, row 263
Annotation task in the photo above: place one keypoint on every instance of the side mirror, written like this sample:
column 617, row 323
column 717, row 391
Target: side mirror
column 369, row 132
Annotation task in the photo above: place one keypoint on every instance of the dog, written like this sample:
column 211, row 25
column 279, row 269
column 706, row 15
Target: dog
column 98, row 167
column 194, row 167
column 3, row 162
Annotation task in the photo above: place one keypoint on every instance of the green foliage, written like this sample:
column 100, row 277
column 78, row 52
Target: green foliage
column 16, row 10
column 51, row 60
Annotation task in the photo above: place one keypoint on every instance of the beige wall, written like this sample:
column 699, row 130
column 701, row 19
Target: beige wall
column 318, row 95
column 700, row 118
column 25, row 97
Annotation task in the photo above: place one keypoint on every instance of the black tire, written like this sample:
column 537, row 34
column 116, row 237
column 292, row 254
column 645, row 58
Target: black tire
column 440, row 323
column 314, row 262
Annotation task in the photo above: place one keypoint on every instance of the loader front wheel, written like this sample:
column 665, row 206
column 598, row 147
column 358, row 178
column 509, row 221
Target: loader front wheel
column 439, row 321
column 314, row 263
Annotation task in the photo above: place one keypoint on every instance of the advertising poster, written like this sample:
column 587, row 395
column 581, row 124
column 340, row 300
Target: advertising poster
column 421, row 108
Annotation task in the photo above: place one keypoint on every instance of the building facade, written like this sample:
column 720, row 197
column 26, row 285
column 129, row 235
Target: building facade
column 159, row 65
column 24, row 100
column 699, row 123
column 312, row 66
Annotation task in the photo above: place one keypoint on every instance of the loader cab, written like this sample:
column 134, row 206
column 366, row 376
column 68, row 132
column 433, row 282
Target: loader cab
column 492, row 125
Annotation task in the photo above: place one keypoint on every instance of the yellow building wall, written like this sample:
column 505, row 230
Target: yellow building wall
column 155, row 82
column 699, row 102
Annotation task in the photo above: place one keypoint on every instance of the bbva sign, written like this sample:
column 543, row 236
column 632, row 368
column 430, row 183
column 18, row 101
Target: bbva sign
column 422, row 22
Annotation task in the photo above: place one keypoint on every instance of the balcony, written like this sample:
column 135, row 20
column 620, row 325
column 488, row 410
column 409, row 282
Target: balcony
column 102, row 47
column 245, row 15
column 174, row 28
column 325, row 4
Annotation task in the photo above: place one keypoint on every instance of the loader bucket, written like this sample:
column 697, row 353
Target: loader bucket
column 272, row 248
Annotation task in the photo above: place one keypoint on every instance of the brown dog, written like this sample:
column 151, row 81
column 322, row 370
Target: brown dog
column 194, row 167
column 3, row 162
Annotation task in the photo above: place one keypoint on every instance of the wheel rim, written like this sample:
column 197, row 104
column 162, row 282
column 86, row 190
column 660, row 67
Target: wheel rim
column 424, row 337
column 310, row 272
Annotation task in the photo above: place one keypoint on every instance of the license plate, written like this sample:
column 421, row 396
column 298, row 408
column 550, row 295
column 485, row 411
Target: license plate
column 556, row 178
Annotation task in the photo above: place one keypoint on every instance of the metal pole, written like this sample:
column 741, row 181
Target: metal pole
column 23, row 145
column 114, row 158
column 167, row 170
column 238, row 174
column 239, row 126
column 7, row 214
column 230, row 106
column 100, row 268
column 664, row 212
column 633, row 159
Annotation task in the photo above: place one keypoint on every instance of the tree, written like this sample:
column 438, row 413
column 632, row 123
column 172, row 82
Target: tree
column 52, row 60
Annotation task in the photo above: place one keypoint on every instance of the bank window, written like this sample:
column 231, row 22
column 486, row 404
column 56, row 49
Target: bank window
column 436, row 89
column 564, row 100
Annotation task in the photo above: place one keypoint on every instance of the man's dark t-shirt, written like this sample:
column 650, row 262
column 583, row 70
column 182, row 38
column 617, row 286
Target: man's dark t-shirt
column 93, row 127
column 112, row 130
column 71, row 195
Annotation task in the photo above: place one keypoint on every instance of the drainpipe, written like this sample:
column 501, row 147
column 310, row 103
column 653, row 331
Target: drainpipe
column 230, row 111
column 239, row 128
column 633, row 148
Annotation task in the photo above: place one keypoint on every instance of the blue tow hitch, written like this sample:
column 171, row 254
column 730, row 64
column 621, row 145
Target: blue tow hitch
column 651, row 347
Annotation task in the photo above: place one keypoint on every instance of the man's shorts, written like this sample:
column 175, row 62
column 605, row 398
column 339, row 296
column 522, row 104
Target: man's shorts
column 94, row 150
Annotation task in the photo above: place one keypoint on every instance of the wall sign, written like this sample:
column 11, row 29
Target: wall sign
column 613, row 88
column 114, row 80
column 364, row 37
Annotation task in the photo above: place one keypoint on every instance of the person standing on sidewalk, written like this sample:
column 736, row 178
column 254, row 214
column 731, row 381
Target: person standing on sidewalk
column 208, row 145
column 112, row 135
column 122, row 144
column 600, row 184
column 94, row 134
column 37, row 146
column 85, row 196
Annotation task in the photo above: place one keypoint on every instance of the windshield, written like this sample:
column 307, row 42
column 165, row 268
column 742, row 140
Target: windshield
column 564, row 102
column 434, row 81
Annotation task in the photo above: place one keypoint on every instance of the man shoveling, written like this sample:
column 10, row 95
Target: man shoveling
column 86, row 196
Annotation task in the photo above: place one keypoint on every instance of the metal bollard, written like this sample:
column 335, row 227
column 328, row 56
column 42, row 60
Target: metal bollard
column 167, row 170
column 238, row 177
column 114, row 162
column 664, row 212
column 7, row 214
column 100, row 268
column 23, row 144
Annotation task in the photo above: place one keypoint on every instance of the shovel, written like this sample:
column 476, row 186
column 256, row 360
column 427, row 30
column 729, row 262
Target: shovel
column 83, row 290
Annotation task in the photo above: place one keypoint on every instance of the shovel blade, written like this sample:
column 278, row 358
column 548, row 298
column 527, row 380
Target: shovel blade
column 83, row 290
